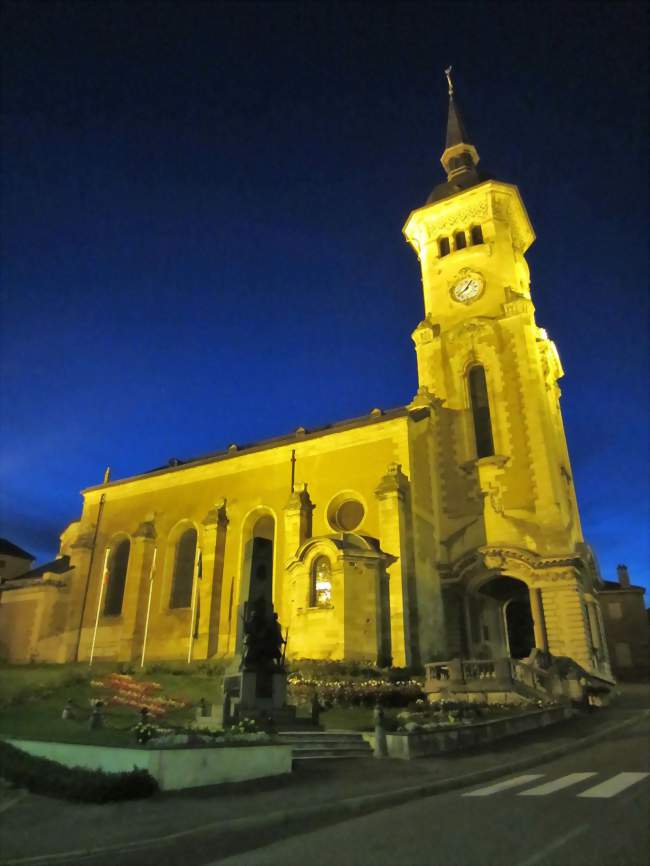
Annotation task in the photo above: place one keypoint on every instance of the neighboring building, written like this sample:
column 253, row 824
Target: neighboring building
column 446, row 527
column 13, row 560
column 626, row 626
column 32, row 606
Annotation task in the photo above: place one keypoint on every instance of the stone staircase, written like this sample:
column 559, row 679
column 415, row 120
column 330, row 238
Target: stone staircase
column 308, row 745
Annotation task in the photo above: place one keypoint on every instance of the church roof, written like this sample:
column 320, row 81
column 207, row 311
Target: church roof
column 615, row 586
column 376, row 416
column 34, row 578
column 456, row 132
column 8, row 548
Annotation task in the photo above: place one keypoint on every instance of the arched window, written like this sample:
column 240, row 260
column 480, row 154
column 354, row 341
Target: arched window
column 443, row 247
column 476, row 233
column 478, row 396
column 183, row 576
column 460, row 241
column 118, row 563
column 320, row 594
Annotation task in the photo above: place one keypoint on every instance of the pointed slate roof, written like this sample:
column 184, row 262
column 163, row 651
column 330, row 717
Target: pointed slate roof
column 460, row 157
column 456, row 132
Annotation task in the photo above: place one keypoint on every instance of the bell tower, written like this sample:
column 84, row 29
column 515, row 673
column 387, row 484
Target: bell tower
column 506, row 487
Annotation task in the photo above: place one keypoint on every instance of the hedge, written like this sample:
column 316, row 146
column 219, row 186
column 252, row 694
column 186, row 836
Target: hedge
column 42, row 776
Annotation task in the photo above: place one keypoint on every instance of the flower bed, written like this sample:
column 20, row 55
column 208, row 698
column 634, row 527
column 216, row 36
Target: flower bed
column 352, row 692
column 449, row 714
column 418, row 742
column 124, row 690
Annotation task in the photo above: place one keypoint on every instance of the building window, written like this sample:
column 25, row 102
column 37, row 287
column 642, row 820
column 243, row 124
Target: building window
column 321, row 583
column 480, row 405
column 623, row 655
column 118, row 563
column 443, row 247
column 459, row 240
column 476, row 234
column 615, row 610
column 183, row 576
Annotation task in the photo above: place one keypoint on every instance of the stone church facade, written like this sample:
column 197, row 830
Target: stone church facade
column 444, row 528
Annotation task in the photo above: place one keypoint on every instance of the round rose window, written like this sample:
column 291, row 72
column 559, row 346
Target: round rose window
column 345, row 514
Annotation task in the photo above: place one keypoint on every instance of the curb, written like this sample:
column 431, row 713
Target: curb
column 348, row 808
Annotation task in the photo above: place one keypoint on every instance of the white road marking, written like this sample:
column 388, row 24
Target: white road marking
column 540, row 856
column 614, row 785
column 557, row 785
column 503, row 786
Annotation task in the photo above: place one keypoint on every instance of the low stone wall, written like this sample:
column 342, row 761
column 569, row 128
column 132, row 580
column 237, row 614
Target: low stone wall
column 173, row 769
column 422, row 744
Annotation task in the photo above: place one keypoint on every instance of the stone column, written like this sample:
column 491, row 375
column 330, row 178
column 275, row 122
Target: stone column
column 593, row 626
column 537, row 610
column 606, row 664
column 396, row 539
column 210, row 590
column 566, row 624
column 77, row 640
column 134, row 602
column 297, row 520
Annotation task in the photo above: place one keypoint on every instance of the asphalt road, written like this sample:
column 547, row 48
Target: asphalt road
column 587, row 809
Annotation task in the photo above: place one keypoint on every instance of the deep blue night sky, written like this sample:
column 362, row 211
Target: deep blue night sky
column 202, row 207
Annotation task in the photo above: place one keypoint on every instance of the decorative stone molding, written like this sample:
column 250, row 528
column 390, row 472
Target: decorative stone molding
column 425, row 332
column 518, row 562
column 469, row 331
column 393, row 483
column 85, row 538
column 147, row 529
column 216, row 516
column 300, row 500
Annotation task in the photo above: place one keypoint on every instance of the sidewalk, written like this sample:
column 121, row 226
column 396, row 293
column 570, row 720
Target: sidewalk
column 216, row 821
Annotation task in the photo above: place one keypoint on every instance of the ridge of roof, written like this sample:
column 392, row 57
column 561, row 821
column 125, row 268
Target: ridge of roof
column 301, row 434
column 10, row 549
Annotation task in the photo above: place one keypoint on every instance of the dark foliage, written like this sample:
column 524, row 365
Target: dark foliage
column 42, row 776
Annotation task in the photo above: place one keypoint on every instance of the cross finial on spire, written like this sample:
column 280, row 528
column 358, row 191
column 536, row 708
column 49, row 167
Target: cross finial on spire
column 450, row 83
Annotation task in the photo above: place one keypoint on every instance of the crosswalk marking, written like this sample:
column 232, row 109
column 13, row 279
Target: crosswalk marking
column 503, row 786
column 614, row 785
column 557, row 785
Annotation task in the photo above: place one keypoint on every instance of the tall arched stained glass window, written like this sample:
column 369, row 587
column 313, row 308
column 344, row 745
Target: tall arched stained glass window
column 118, row 563
column 320, row 594
column 183, row 576
column 478, row 396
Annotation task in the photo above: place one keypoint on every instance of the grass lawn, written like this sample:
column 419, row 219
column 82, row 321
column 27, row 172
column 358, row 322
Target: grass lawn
column 32, row 698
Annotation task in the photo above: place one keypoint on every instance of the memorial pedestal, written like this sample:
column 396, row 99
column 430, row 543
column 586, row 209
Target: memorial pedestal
column 259, row 694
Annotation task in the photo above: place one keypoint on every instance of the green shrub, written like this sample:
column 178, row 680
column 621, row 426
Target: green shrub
column 42, row 776
column 347, row 692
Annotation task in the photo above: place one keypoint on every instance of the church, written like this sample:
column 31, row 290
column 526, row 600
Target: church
column 444, row 528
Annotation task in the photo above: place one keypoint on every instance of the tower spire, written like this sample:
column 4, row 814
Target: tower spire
column 459, row 155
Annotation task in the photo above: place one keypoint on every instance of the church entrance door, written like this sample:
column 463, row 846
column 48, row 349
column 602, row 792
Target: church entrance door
column 512, row 597
column 521, row 632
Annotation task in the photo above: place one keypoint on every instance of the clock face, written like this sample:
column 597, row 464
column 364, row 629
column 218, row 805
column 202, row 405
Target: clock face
column 467, row 288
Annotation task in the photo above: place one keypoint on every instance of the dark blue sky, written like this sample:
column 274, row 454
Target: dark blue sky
column 202, row 207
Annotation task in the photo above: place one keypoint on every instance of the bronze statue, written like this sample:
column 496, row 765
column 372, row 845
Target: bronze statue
column 263, row 639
